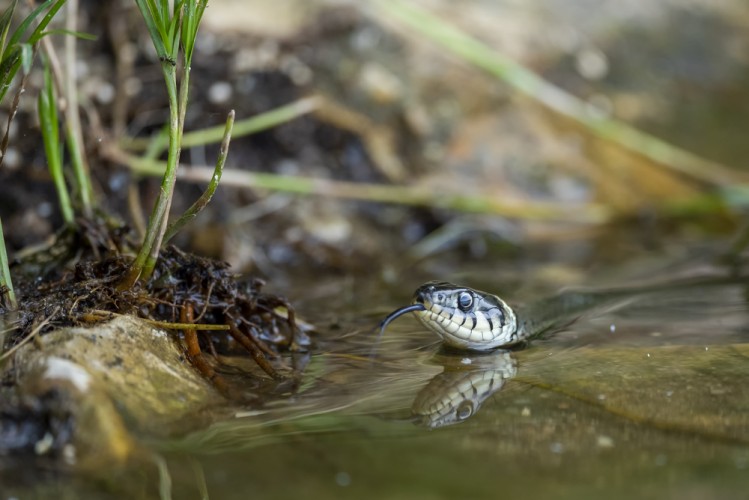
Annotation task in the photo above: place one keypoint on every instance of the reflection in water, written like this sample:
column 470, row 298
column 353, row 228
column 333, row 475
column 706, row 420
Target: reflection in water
column 658, row 400
column 457, row 393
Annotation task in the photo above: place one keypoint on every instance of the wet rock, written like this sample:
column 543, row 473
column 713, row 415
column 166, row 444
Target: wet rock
column 82, row 395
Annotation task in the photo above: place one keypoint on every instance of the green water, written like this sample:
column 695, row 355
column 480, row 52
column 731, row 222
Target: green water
column 646, row 397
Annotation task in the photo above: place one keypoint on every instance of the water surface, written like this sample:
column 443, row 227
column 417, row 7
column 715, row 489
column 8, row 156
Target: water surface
column 647, row 395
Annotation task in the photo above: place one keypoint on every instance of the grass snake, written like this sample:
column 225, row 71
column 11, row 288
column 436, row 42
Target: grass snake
column 469, row 319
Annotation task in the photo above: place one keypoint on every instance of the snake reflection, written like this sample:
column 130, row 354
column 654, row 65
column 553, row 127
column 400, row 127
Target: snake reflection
column 471, row 320
column 457, row 393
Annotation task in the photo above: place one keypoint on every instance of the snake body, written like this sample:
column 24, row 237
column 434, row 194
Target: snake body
column 469, row 319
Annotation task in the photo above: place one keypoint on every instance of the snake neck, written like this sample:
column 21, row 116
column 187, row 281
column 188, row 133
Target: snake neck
column 557, row 312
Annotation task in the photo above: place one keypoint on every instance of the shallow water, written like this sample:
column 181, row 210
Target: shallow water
column 645, row 395
column 648, row 396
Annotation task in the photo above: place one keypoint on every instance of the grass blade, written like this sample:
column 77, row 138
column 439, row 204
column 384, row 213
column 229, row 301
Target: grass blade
column 380, row 193
column 21, row 30
column 73, row 128
column 205, row 198
column 5, row 280
column 158, row 143
column 77, row 34
column 8, row 69
column 154, row 25
column 38, row 33
column 49, row 120
column 5, row 25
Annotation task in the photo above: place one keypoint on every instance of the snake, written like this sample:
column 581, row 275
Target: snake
column 465, row 318
column 470, row 319
column 473, row 320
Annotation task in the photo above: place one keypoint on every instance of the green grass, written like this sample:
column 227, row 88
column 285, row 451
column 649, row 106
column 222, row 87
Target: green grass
column 173, row 32
column 17, row 50
column 49, row 120
column 5, row 280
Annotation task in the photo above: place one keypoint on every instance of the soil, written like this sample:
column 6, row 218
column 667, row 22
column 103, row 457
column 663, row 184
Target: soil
column 75, row 282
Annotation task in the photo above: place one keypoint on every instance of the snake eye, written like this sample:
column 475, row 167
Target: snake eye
column 464, row 410
column 465, row 301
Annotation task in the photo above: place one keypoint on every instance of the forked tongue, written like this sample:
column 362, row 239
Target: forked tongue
column 400, row 312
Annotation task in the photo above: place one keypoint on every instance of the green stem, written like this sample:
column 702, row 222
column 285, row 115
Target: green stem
column 48, row 119
column 184, row 89
column 79, row 164
column 594, row 213
column 145, row 261
column 175, row 148
column 169, row 33
column 400, row 195
column 73, row 129
column 205, row 198
column 156, row 144
column 5, row 272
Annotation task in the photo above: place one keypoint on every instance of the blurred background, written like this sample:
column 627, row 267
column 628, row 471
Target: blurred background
column 517, row 146
column 561, row 136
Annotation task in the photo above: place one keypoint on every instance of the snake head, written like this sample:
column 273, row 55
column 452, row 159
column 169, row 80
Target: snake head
column 466, row 318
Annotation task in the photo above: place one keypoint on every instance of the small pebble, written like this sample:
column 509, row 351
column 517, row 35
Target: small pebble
column 42, row 446
column 220, row 92
column 44, row 209
column 105, row 93
column 68, row 453
column 12, row 159
column 343, row 479
column 591, row 63
column 556, row 447
column 605, row 442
